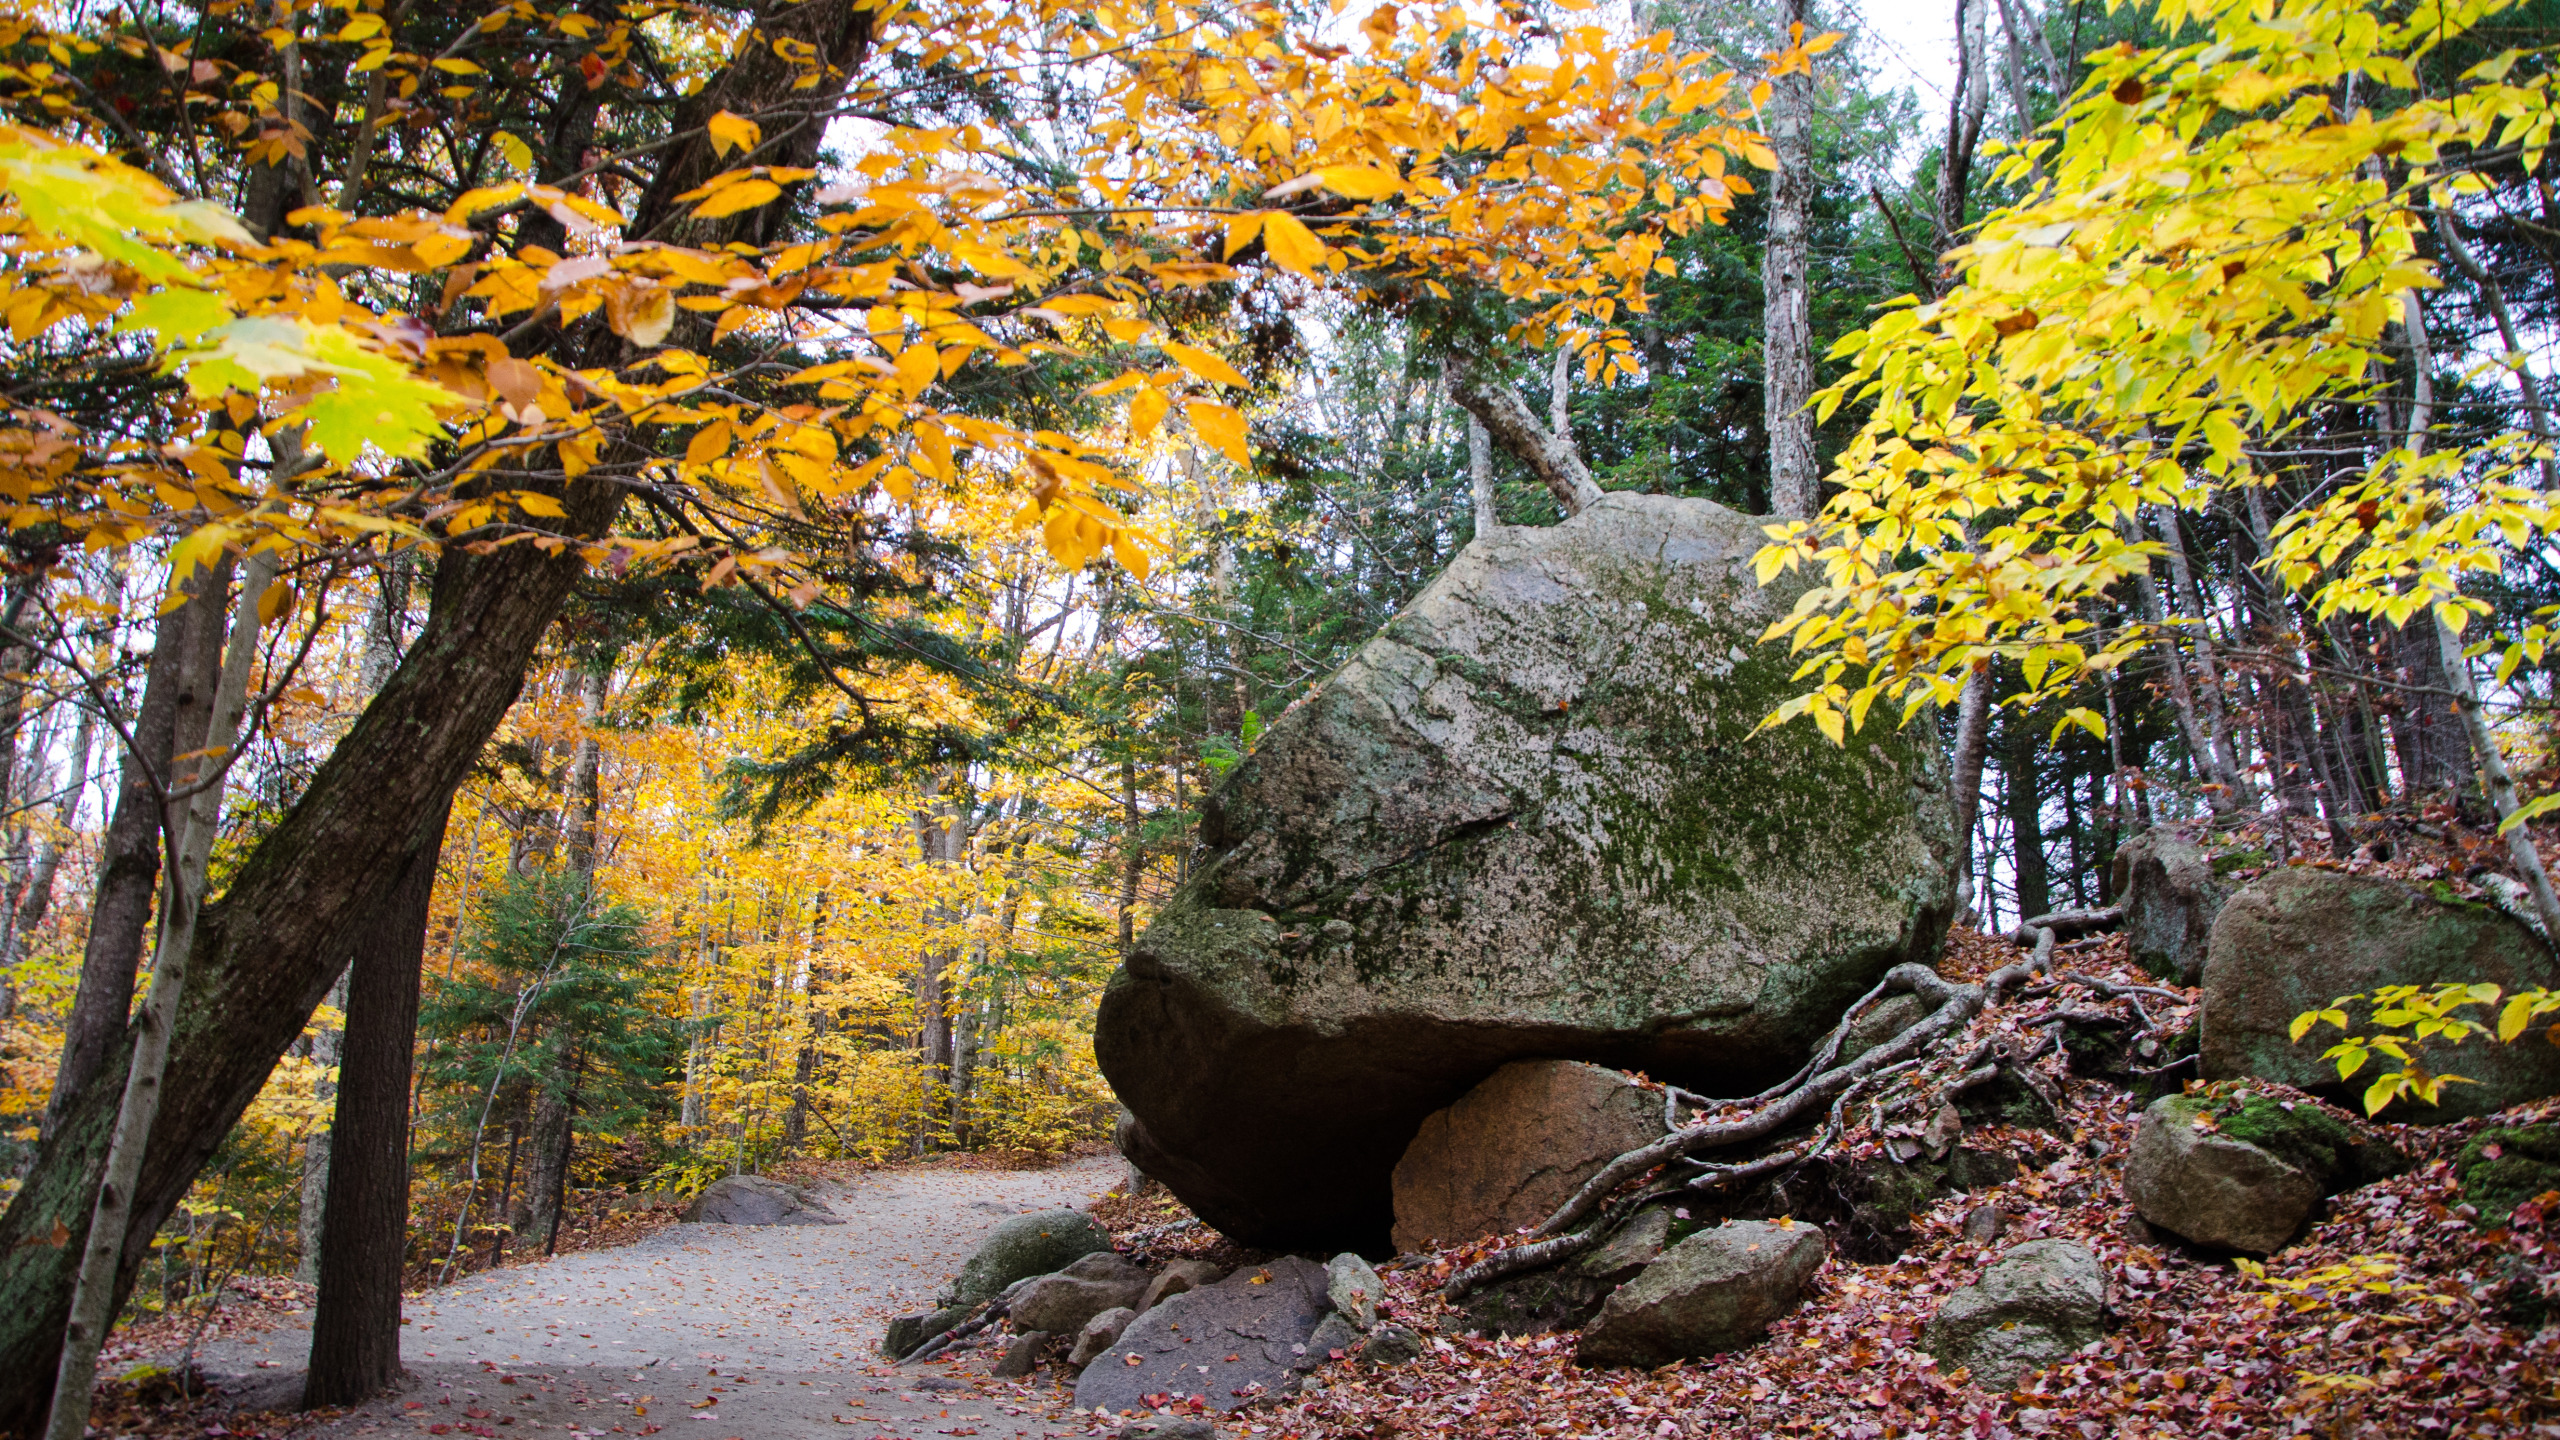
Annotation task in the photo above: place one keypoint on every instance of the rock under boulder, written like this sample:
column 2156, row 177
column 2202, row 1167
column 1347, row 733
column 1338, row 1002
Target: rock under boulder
column 2297, row 938
column 758, row 1200
column 1353, row 1289
column 1024, row 1246
column 1713, row 1292
column 1099, row 1334
column 2243, row 1172
column 2031, row 1307
column 1566, row 1296
column 2171, row 893
column 1227, row 1343
column 1175, row 1278
column 1532, row 817
column 2505, row 1166
column 1514, row 1148
column 1062, row 1303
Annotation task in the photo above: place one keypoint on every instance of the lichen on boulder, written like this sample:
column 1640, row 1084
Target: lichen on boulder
column 2297, row 938
column 1534, row 817
column 2506, row 1165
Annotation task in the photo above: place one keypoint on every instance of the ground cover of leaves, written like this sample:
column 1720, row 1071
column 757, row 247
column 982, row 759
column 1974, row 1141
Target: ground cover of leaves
column 2396, row 1315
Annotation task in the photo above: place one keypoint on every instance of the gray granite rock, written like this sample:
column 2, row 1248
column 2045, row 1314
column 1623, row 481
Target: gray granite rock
column 1354, row 1290
column 1535, row 817
column 1227, row 1344
column 1099, row 1334
column 2212, row 1189
column 758, row 1200
column 1175, row 1278
column 2034, row 1305
column 1718, row 1290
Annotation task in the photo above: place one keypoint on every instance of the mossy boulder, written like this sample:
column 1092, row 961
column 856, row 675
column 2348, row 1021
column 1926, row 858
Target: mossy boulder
column 2297, row 938
column 2037, row 1303
column 2243, row 1170
column 1026, row 1245
column 2505, row 1166
column 1531, row 818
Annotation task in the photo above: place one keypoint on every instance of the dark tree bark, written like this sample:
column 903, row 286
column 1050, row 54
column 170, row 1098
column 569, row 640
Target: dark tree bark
column 2026, row 821
column 554, row 1129
column 129, row 853
column 355, row 1332
column 264, row 953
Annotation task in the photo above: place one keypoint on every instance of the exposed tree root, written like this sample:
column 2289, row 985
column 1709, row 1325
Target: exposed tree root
column 1925, row 1061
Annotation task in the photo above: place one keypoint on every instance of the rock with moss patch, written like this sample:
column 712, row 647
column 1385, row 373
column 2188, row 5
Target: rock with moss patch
column 2503, row 1167
column 2295, row 939
column 2244, row 1170
column 1512, row 1149
column 1532, row 817
column 2034, row 1305
column 2171, row 892
column 1024, row 1246
column 1718, row 1290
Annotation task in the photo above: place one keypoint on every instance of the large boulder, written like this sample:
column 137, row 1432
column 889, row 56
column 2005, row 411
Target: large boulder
column 1531, row 817
column 1227, row 1344
column 2297, row 938
column 1024, row 1246
column 2171, row 892
column 1713, row 1292
column 2243, row 1171
column 2034, row 1305
column 758, row 1200
column 1514, row 1148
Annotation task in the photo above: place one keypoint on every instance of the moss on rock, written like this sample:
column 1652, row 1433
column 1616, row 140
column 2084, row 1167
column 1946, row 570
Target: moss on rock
column 2503, row 1167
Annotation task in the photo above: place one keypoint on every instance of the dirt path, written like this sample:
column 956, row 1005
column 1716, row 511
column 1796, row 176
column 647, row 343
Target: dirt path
column 777, row 1328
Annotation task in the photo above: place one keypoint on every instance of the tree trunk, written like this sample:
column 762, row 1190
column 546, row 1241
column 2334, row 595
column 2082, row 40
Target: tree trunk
column 585, row 775
column 355, row 1331
column 128, row 868
column 2026, row 822
column 99, row 1286
column 262, row 956
column 1967, row 103
column 1795, row 490
column 1973, row 730
column 1514, row 426
column 37, row 902
column 1488, row 516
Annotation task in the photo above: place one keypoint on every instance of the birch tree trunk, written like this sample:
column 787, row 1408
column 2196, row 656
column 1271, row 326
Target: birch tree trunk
column 1786, row 308
column 190, row 843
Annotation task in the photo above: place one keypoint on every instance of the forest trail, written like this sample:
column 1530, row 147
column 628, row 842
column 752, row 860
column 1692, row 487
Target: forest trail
column 779, row 1327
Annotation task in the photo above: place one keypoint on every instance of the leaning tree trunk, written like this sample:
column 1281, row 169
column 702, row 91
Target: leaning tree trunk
column 262, row 955
column 1795, row 491
column 355, row 1332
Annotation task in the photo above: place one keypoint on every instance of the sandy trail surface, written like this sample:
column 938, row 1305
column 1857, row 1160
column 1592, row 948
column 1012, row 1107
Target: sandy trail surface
column 707, row 1332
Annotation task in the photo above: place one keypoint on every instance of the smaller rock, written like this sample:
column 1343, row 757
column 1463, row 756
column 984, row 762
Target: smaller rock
column 1982, row 1224
column 1021, row 1354
column 2502, row 1168
column 1108, row 1265
column 1355, row 1289
column 1062, row 1303
column 758, row 1200
column 1227, row 1344
column 2171, row 895
column 1390, row 1344
column 1334, row 1339
column 1624, row 1255
column 1026, row 1245
column 2036, row 1304
column 1099, row 1334
column 1713, row 1292
column 2244, row 1171
column 907, row 1332
column 1176, row 1278
column 1518, row 1145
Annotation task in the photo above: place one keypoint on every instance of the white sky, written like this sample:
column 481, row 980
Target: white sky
column 1910, row 42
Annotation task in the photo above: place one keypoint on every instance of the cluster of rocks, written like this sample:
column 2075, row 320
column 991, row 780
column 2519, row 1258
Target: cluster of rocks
column 1144, row 1340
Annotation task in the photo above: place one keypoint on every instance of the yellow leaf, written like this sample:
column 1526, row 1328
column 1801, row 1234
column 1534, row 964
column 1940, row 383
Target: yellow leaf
column 1240, row 231
column 516, row 152
column 1221, row 426
column 708, row 444
column 919, row 365
column 1203, row 364
column 1361, row 182
column 730, row 199
column 1292, row 244
column 1146, row 412
column 733, row 132
column 1131, row 554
